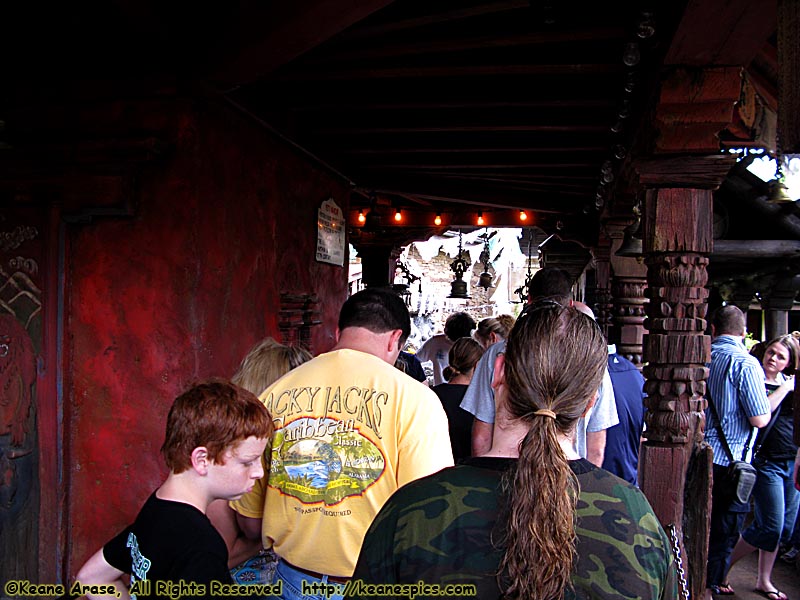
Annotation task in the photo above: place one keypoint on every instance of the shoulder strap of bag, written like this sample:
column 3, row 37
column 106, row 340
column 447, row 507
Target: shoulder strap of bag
column 765, row 432
column 718, row 423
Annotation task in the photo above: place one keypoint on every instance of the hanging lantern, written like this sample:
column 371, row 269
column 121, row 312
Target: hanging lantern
column 778, row 192
column 458, row 287
column 485, row 278
column 632, row 238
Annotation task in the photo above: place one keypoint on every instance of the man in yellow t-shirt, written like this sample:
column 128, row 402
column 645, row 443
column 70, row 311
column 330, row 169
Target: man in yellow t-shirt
column 350, row 430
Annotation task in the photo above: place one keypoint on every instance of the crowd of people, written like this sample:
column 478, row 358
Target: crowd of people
column 751, row 418
column 513, row 476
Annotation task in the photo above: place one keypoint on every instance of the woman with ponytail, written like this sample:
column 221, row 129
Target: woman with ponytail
column 530, row 519
column 463, row 357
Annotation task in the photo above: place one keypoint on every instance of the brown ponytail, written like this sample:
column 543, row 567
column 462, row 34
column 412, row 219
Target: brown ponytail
column 554, row 365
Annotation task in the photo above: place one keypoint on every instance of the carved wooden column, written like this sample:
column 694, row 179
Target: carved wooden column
column 677, row 241
column 628, row 282
column 675, row 463
column 628, row 296
column 602, row 304
column 777, row 301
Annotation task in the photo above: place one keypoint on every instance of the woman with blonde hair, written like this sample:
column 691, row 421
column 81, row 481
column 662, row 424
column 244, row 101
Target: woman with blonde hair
column 530, row 519
column 493, row 329
column 265, row 363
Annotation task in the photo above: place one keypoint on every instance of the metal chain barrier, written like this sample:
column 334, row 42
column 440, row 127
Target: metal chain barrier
column 676, row 548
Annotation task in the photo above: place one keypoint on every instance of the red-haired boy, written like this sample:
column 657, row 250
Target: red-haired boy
column 216, row 436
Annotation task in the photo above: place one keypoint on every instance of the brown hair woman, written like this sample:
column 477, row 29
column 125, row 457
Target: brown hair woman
column 463, row 357
column 774, row 495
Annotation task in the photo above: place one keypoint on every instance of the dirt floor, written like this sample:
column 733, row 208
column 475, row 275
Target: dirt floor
column 743, row 579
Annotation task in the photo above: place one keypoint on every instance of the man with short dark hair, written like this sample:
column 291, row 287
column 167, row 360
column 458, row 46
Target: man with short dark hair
column 350, row 430
column 437, row 349
column 736, row 388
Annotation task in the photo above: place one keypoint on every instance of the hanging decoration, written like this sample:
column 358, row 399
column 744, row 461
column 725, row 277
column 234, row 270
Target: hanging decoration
column 778, row 192
column 458, row 287
column 522, row 291
column 485, row 278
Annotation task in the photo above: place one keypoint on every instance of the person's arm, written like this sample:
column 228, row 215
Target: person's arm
column 753, row 394
column 240, row 548
column 250, row 526
column 596, row 447
column 796, row 469
column 96, row 571
column 482, row 435
column 479, row 400
column 777, row 396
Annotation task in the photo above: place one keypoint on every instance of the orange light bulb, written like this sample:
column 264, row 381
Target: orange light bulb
column 437, row 220
column 523, row 216
column 397, row 216
column 480, row 218
column 361, row 217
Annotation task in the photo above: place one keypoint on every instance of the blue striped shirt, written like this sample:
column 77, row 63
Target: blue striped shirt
column 736, row 385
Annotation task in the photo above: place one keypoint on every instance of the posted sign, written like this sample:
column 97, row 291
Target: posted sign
column 330, row 233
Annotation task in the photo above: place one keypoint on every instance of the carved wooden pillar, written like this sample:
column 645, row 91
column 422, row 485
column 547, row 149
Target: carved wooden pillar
column 777, row 301
column 628, row 294
column 628, row 282
column 677, row 241
column 602, row 305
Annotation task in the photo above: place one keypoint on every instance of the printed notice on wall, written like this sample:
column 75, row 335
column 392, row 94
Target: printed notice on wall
column 330, row 233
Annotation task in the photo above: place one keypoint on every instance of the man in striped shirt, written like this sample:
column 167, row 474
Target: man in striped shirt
column 736, row 387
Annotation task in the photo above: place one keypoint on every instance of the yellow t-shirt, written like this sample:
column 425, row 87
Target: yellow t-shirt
column 350, row 430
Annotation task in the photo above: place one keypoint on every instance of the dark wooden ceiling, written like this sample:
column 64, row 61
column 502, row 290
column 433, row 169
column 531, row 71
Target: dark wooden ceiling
column 451, row 104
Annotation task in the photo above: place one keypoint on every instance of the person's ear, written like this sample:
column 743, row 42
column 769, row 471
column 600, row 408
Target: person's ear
column 499, row 371
column 493, row 338
column 200, row 460
column 394, row 344
column 336, row 335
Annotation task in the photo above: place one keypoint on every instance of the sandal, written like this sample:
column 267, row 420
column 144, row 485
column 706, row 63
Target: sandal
column 773, row 595
column 725, row 589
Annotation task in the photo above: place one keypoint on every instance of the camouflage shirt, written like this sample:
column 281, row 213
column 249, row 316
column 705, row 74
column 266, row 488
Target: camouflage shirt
column 440, row 530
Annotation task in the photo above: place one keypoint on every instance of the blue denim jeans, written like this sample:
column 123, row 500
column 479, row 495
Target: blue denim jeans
column 301, row 586
column 776, row 501
column 727, row 520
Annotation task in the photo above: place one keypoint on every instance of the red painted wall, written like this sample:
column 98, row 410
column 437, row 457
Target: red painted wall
column 223, row 223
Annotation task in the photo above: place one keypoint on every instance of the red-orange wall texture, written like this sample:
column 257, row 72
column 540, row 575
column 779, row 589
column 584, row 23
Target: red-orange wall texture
column 222, row 223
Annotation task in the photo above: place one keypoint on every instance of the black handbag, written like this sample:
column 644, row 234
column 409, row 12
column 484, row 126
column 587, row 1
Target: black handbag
column 740, row 477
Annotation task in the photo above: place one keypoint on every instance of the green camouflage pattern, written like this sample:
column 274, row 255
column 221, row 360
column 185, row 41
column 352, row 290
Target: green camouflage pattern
column 439, row 530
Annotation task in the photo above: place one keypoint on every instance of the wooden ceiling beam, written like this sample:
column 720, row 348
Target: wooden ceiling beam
column 381, row 29
column 359, row 104
column 464, row 71
column 473, row 167
column 722, row 32
column 436, row 45
column 272, row 34
column 479, row 150
column 471, row 192
column 343, row 131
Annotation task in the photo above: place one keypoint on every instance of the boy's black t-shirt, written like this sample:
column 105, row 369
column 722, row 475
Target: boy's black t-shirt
column 170, row 544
